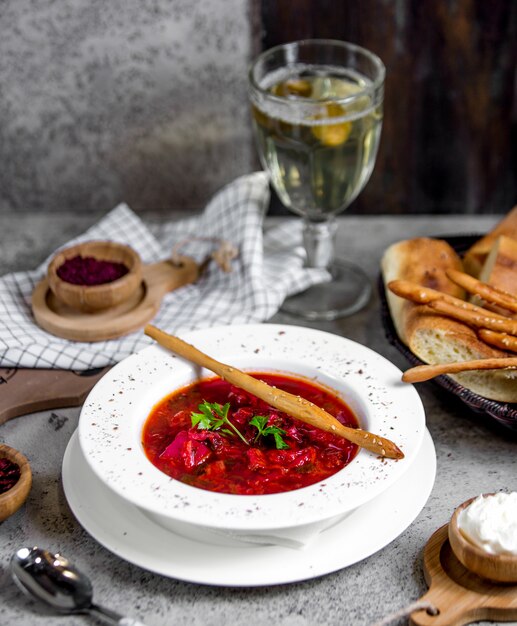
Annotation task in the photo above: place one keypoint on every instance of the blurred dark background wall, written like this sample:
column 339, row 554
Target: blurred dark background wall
column 145, row 102
column 449, row 139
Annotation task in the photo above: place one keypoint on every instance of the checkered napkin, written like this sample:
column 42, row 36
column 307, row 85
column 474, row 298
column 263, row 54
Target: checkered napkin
column 269, row 268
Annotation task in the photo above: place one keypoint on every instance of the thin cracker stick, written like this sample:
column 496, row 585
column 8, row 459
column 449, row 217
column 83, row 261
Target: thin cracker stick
column 499, row 340
column 421, row 373
column 482, row 319
column 425, row 295
column 483, row 290
column 295, row 406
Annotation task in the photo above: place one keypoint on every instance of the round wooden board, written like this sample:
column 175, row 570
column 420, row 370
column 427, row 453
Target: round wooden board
column 460, row 596
column 62, row 321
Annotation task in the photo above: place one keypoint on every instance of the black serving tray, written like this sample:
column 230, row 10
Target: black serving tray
column 503, row 413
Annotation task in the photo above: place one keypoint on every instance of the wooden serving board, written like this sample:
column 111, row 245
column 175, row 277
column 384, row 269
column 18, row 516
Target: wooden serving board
column 25, row 391
column 63, row 321
column 459, row 595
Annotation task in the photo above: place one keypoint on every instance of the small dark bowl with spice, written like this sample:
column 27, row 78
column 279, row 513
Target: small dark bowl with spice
column 15, row 480
column 95, row 275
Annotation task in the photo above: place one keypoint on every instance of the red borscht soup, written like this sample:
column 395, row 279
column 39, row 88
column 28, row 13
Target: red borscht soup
column 215, row 436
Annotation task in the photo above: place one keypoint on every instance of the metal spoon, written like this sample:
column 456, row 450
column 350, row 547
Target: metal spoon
column 52, row 579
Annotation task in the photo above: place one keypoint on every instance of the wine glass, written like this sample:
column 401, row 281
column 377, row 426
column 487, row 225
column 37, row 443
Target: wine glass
column 317, row 117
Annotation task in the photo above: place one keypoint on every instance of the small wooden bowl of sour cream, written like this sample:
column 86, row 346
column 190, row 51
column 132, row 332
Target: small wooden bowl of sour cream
column 94, row 275
column 483, row 536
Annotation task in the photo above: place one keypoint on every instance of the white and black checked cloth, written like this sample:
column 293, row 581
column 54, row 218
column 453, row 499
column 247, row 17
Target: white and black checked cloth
column 268, row 269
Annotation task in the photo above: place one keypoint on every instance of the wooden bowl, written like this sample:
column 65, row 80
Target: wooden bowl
column 91, row 298
column 496, row 567
column 11, row 500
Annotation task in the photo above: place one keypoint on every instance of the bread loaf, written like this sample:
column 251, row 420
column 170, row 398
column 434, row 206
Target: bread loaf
column 423, row 261
column 500, row 267
column 476, row 255
column 432, row 337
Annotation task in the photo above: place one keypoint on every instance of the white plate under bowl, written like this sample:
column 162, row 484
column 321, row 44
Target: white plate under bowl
column 127, row 532
column 113, row 415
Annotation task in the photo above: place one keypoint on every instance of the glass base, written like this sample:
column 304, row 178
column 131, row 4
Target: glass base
column 348, row 291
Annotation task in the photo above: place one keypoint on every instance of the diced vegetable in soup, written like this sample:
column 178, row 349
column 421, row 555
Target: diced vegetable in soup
column 215, row 436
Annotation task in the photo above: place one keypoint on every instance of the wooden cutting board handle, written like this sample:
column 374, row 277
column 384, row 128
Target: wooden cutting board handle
column 128, row 316
column 460, row 596
column 25, row 391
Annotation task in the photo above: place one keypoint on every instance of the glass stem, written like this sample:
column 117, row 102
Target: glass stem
column 318, row 239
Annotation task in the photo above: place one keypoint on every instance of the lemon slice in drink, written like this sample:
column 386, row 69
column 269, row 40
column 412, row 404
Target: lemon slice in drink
column 332, row 134
column 293, row 87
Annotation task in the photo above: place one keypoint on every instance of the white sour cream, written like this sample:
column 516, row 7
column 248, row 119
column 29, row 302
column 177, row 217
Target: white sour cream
column 490, row 522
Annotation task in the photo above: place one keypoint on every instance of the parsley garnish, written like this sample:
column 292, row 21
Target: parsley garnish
column 260, row 423
column 213, row 416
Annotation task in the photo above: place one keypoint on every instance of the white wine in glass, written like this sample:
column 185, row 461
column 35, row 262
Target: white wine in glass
column 317, row 116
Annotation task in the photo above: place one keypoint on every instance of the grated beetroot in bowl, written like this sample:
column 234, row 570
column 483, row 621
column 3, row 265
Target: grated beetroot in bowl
column 9, row 474
column 87, row 270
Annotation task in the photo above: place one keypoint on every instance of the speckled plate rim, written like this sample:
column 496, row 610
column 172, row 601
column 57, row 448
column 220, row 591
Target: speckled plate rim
column 111, row 421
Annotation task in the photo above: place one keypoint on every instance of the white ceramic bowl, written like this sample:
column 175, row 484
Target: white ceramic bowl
column 113, row 415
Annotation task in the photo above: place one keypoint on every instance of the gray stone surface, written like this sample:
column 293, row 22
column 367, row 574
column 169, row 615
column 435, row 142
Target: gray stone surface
column 100, row 101
column 473, row 457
